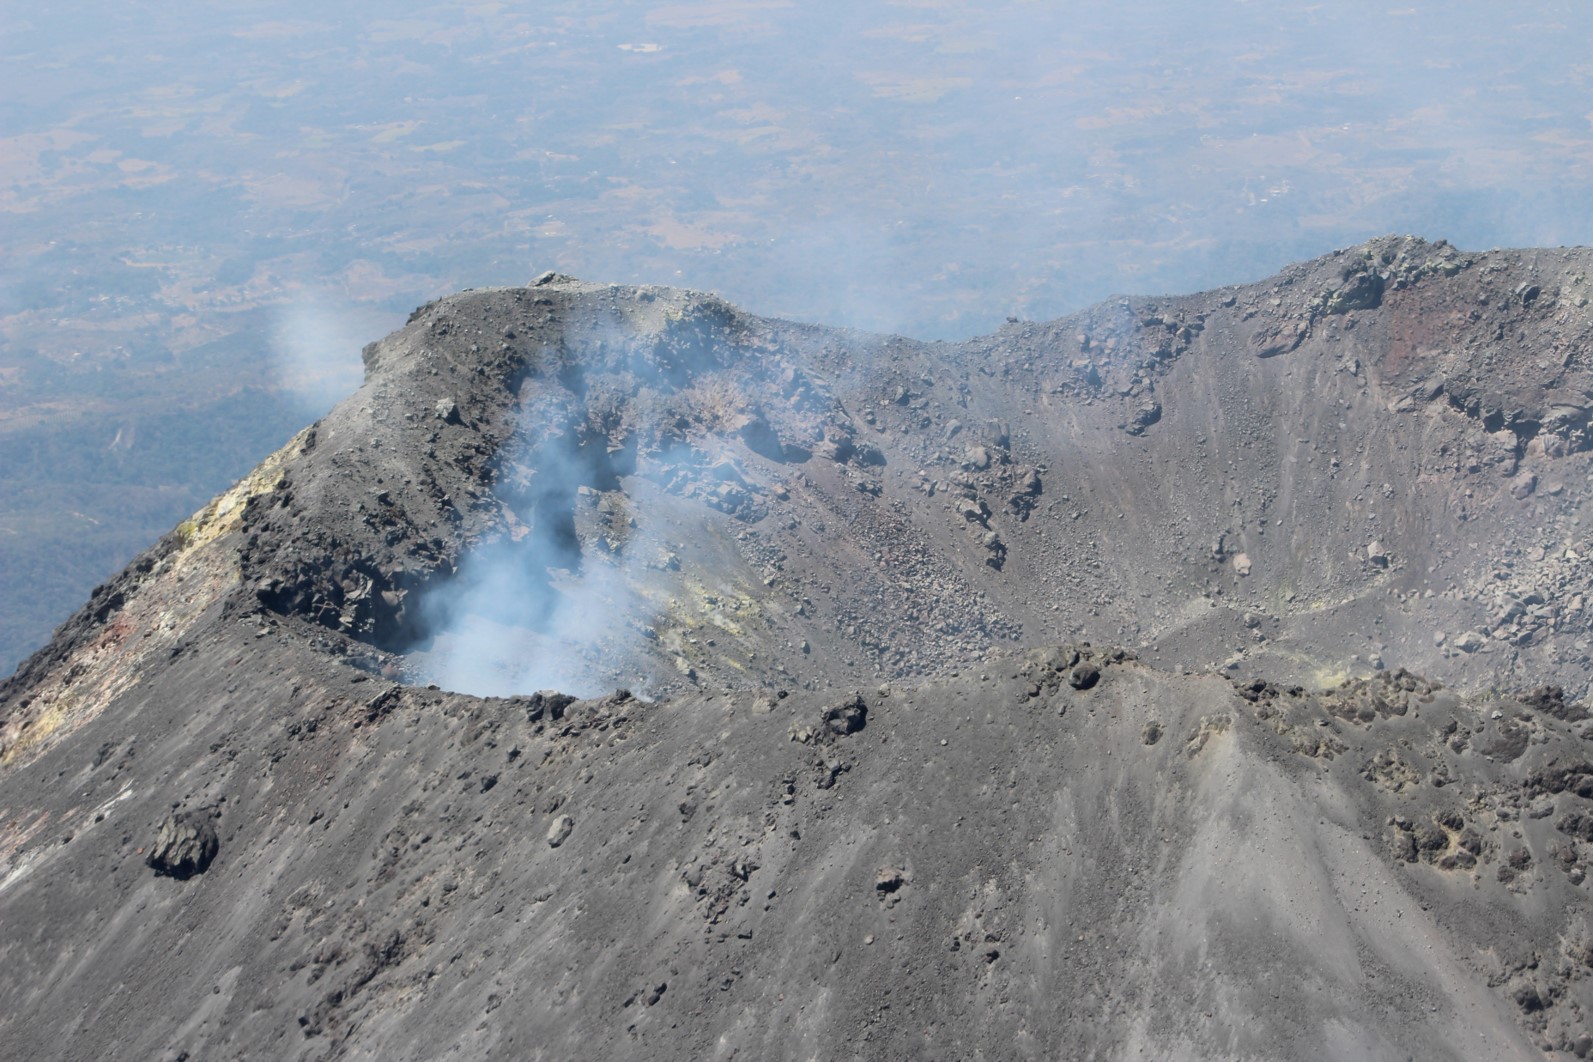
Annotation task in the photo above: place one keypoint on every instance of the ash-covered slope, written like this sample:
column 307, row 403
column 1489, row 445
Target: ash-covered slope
column 1378, row 456
column 1373, row 462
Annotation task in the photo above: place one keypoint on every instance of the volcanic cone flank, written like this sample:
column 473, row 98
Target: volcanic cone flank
column 1189, row 677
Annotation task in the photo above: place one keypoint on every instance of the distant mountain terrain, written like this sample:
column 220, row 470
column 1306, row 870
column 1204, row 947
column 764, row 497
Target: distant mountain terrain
column 1189, row 677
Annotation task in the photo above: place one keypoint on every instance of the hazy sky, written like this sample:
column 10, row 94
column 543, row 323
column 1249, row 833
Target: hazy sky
column 921, row 166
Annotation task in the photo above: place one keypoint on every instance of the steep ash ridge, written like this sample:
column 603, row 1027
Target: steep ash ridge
column 886, row 793
column 1375, row 457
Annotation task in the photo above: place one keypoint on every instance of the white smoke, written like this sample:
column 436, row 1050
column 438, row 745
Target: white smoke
column 315, row 350
column 564, row 595
column 509, row 627
column 555, row 605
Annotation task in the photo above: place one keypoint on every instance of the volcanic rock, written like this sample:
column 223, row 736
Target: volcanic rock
column 1285, row 820
column 847, row 717
column 1084, row 676
column 184, row 845
column 559, row 831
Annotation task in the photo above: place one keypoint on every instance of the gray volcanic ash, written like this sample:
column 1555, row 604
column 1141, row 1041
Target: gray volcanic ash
column 1194, row 676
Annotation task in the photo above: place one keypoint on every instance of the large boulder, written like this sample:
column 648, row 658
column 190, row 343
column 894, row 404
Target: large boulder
column 184, row 845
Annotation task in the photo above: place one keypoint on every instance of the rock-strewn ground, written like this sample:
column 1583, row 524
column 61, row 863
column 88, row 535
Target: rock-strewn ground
column 882, row 797
column 992, row 864
column 1377, row 458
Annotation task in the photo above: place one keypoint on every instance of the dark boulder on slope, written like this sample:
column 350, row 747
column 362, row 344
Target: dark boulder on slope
column 1286, row 822
column 184, row 845
column 846, row 717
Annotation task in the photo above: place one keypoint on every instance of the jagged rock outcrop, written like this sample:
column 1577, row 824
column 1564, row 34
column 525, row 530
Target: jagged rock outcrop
column 184, row 845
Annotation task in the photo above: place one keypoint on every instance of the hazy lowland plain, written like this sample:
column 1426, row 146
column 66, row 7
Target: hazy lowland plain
column 208, row 209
